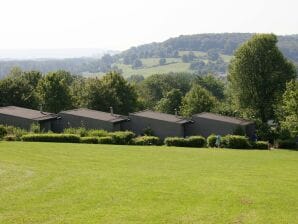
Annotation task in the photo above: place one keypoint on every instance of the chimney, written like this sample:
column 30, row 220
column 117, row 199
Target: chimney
column 111, row 110
column 176, row 113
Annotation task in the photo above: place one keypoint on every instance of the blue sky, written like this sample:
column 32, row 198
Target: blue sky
column 120, row 24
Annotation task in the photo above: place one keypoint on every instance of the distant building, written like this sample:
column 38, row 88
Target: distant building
column 91, row 119
column 24, row 118
column 161, row 124
column 206, row 124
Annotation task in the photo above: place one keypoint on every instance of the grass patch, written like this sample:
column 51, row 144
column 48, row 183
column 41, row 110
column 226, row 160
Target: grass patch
column 80, row 183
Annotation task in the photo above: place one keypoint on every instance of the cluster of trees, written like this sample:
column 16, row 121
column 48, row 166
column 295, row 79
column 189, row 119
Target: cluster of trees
column 261, row 85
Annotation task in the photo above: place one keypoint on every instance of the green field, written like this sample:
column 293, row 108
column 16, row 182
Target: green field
column 75, row 183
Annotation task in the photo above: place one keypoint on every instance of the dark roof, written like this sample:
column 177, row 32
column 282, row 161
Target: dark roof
column 161, row 116
column 27, row 113
column 222, row 118
column 95, row 114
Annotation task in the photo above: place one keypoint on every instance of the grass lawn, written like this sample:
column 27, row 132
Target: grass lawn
column 74, row 183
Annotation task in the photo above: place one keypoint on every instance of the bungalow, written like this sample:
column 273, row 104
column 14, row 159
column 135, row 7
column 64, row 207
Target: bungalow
column 91, row 119
column 206, row 124
column 161, row 124
column 24, row 118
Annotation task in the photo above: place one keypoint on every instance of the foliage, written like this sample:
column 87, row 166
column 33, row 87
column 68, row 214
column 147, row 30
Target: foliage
column 197, row 100
column 105, row 140
column 147, row 140
column 10, row 138
column 196, row 141
column 148, row 131
column 3, row 131
column 212, row 84
column 162, row 61
column 175, row 141
column 89, row 140
column 258, row 75
column 260, row 145
column 16, row 131
column 122, row 137
column 70, row 138
column 170, row 103
column 211, row 140
column 286, row 144
column 54, row 91
column 97, row 133
column 235, row 142
column 82, row 132
column 111, row 91
column 35, row 128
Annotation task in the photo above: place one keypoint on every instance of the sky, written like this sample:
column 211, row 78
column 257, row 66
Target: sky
column 120, row 24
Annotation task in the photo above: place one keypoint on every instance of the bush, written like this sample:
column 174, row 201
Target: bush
column 196, row 141
column 10, row 138
column 35, row 128
column 105, row 140
column 3, row 131
column 286, row 144
column 176, row 141
column 211, row 140
column 98, row 133
column 51, row 138
column 235, row 142
column 260, row 145
column 122, row 137
column 89, row 140
column 76, row 131
column 147, row 140
column 15, row 131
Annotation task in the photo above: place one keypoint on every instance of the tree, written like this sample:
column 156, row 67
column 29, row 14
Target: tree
column 111, row 91
column 258, row 75
column 162, row 61
column 54, row 91
column 137, row 63
column 197, row 100
column 212, row 84
column 170, row 102
column 289, row 107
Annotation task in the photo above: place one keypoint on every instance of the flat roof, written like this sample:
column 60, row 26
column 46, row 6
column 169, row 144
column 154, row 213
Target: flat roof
column 26, row 113
column 161, row 116
column 223, row 118
column 95, row 114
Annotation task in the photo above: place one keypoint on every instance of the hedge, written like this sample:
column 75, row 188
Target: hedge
column 105, row 140
column 196, row 141
column 260, row 145
column 98, row 133
column 235, row 142
column 211, row 140
column 51, row 138
column 89, row 140
column 286, row 144
column 76, row 131
column 122, row 137
column 147, row 140
column 175, row 141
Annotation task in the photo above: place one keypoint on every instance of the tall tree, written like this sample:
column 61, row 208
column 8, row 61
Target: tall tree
column 54, row 91
column 197, row 100
column 111, row 91
column 212, row 84
column 258, row 75
column 170, row 102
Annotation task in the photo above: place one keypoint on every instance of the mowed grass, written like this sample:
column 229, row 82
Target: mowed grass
column 76, row 183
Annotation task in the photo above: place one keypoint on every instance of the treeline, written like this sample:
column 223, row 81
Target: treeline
column 260, row 86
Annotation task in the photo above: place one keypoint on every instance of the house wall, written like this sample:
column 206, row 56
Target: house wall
column 71, row 121
column 206, row 127
column 162, row 129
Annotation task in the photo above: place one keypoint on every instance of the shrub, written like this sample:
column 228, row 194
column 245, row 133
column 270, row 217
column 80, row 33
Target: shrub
column 17, row 132
column 147, row 140
column 76, row 131
column 235, row 142
column 175, row 141
column 196, row 141
column 51, row 138
column 98, row 133
column 10, row 138
column 89, row 140
column 122, row 137
column 286, row 144
column 3, row 131
column 211, row 140
column 35, row 128
column 105, row 140
column 260, row 145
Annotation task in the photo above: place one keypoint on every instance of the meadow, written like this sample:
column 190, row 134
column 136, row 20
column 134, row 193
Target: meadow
column 80, row 183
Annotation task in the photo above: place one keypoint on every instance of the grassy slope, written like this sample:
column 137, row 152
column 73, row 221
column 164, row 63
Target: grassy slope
column 74, row 183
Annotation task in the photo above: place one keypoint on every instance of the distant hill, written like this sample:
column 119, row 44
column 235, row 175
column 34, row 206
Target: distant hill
column 200, row 53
